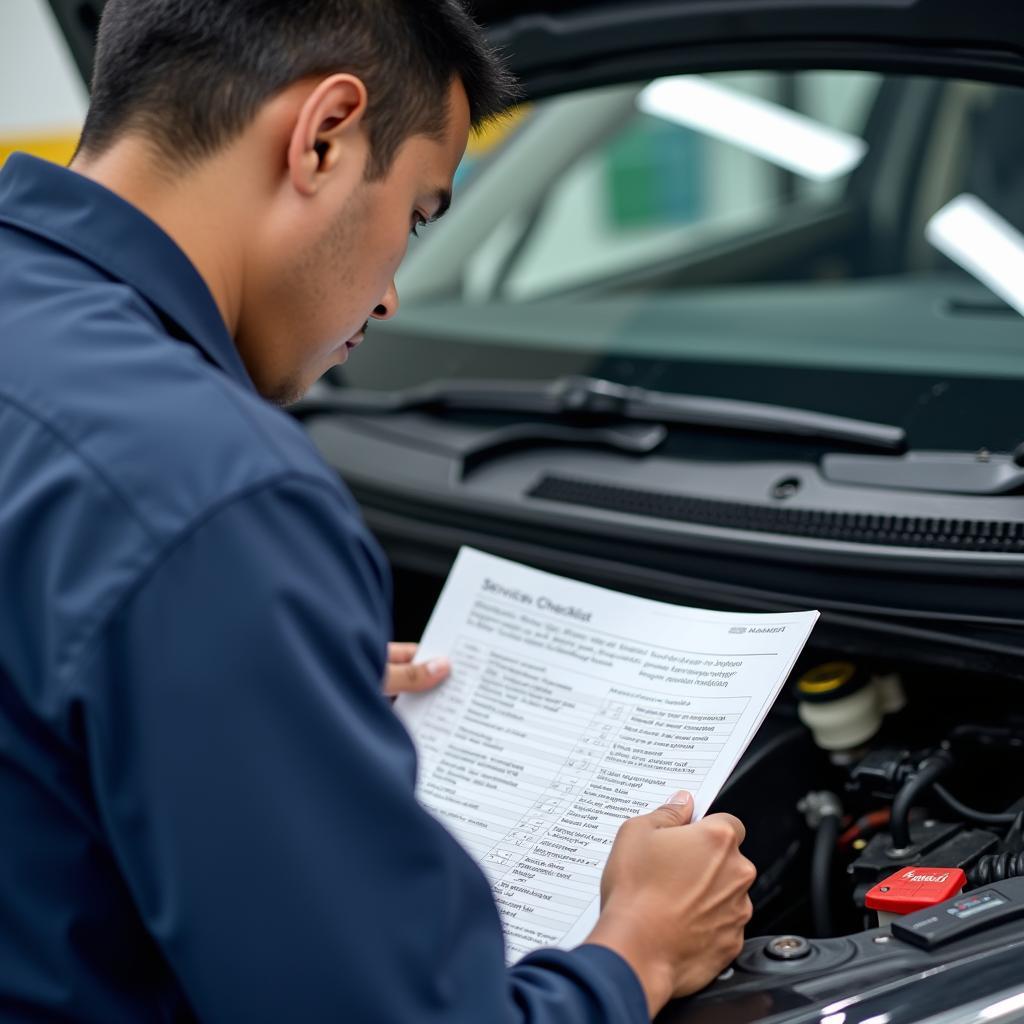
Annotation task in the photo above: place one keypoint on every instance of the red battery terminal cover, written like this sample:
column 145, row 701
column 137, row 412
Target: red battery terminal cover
column 915, row 888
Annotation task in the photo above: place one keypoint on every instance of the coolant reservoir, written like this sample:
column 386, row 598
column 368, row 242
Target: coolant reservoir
column 912, row 889
column 841, row 706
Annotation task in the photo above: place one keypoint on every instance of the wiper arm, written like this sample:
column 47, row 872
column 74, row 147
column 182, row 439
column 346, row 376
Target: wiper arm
column 581, row 397
column 977, row 473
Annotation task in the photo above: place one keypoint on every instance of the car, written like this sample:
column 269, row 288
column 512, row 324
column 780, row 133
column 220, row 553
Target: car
column 728, row 313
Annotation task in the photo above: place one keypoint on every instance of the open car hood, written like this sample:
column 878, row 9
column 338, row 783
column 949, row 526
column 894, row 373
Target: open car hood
column 574, row 43
column 555, row 45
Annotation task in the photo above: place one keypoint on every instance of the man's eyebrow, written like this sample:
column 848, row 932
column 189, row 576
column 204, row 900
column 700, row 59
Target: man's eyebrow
column 444, row 203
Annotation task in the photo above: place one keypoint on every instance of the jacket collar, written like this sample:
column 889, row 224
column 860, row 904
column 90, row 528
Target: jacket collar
column 92, row 222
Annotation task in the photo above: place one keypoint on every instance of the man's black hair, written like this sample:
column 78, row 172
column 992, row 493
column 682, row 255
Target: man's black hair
column 190, row 75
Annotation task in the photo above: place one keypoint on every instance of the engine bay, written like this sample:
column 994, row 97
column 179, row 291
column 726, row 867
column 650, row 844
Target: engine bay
column 881, row 803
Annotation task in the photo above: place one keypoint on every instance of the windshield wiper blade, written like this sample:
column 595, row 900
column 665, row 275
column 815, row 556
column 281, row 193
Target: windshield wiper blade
column 581, row 397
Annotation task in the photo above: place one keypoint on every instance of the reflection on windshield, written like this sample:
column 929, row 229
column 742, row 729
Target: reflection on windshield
column 591, row 186
column 974, row 236
column 693, row 219
column 775, row 133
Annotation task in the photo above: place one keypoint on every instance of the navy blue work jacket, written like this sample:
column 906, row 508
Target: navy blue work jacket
column 206, row 803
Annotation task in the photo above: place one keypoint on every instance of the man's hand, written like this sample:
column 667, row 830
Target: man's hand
column 405, row 677
column 674, row 899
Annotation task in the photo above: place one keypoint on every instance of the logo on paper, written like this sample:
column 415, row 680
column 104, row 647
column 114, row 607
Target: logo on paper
column 739, row 630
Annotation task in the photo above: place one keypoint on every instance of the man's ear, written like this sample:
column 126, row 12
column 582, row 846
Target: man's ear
column 328, row 135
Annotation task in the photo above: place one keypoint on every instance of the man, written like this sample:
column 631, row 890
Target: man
column 207, row 802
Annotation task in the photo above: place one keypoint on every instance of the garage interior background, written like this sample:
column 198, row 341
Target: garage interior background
column 646, row 182
column 42, row 98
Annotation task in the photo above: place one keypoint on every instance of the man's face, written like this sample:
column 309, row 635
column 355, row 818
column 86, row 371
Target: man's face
column 329, row 270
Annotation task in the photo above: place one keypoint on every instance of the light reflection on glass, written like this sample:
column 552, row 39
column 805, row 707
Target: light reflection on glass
column 987, row 246
column 771, row 131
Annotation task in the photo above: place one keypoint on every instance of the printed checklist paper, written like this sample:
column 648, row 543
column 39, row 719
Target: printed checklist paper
column 569, row 709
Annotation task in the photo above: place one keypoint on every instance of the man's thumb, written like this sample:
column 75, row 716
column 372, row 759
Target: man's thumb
column 416, row 678
column 678, row 811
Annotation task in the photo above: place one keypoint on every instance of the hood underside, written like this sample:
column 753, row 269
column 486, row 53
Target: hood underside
column 574, row 43
column 555, row 45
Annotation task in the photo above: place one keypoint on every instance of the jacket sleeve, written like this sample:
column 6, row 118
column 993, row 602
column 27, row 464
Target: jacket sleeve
column 258, row 792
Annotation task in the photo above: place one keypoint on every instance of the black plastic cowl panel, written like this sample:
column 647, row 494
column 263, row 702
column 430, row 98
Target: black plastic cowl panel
column 974, row 535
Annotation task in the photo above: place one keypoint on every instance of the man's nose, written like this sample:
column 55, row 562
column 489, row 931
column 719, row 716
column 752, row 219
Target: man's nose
column 388, row 304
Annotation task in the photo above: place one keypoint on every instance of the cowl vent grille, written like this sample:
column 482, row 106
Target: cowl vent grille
column 850, row 527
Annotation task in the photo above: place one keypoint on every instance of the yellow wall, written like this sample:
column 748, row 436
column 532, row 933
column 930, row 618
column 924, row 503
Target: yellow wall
column 58, row 147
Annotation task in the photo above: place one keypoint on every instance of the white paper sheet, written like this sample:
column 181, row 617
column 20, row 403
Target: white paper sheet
column 571, row 708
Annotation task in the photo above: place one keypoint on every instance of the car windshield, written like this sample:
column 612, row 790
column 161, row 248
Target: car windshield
column 732, row 232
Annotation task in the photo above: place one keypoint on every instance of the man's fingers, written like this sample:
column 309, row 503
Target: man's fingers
column 401, row 654
column 678, row 811
column 728, row 821
column 416, row 678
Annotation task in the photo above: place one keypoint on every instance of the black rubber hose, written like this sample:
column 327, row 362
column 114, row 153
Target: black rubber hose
column 825, row 839
column 927, row 775
column 996, row 868
column 969, row 813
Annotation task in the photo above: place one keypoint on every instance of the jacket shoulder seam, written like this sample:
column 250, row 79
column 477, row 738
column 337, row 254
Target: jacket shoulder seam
column 94, row 468
column 78, row 651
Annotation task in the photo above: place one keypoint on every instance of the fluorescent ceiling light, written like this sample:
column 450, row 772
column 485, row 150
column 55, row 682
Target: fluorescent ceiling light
column 973, row 235
column 783, row 137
